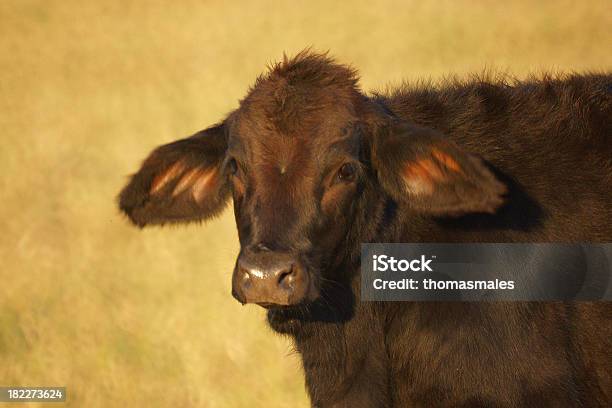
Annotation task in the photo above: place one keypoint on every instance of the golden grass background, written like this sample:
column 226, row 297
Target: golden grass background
column 129, row 318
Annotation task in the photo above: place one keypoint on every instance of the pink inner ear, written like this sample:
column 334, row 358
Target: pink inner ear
column 198, row 181
column 164, row 178
column 419, row 176
column 446, row 161
column 203, row 184
column 422, row 175
column 187, row 180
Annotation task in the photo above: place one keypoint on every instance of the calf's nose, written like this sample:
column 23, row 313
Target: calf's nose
column 269, row 278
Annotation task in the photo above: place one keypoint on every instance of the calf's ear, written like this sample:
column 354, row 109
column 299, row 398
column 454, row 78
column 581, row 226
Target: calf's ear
column 431, row 174
column 180, row 181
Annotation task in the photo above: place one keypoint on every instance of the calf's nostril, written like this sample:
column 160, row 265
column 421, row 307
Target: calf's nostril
column 286, row 278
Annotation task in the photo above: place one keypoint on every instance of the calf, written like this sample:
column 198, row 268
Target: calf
column 316, row 167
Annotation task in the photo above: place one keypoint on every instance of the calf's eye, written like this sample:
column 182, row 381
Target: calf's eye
column 347, row 172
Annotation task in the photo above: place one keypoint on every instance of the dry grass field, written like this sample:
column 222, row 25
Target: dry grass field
column 130, row 318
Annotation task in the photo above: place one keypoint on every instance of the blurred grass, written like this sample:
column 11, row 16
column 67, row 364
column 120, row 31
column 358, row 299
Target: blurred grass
column 124, row 317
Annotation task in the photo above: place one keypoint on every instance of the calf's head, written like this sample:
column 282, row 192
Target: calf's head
column 305, row 156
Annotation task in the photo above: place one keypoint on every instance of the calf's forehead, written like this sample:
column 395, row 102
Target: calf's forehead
column 316, row 135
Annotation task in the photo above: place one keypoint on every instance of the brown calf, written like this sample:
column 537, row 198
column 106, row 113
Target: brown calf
column 316, row 167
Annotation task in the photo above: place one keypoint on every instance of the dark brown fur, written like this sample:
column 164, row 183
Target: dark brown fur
column 479, row 160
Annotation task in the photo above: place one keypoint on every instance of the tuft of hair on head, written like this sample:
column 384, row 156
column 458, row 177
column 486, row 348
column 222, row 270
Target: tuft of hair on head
column 314, row 68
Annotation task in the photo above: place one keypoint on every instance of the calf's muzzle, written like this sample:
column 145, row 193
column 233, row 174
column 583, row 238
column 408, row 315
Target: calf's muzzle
column 269, row 278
